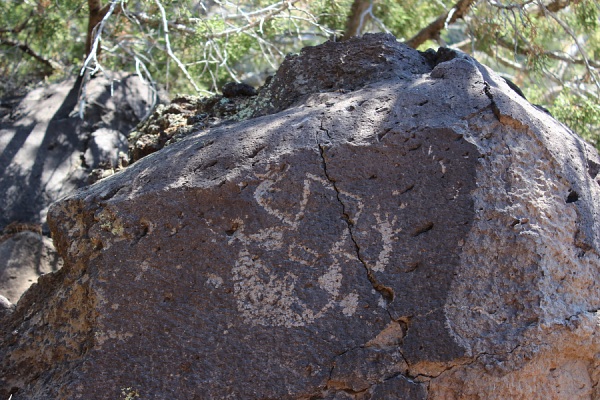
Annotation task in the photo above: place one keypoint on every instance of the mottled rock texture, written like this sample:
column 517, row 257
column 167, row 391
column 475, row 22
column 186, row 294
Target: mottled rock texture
column 385, row 227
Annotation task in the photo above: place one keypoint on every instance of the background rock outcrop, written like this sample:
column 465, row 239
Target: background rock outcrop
column 25, row 256
column 48, row 151
column 423, row 232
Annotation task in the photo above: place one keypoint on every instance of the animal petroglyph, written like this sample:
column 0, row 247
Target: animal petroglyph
column 283, row 277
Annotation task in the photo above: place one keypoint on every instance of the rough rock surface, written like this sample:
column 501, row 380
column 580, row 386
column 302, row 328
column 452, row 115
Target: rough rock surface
column 183, row 116
column 47, row 151
column 417, row 230
column 294, row 81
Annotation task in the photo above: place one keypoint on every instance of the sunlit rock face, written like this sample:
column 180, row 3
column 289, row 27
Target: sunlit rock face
column 415, row 231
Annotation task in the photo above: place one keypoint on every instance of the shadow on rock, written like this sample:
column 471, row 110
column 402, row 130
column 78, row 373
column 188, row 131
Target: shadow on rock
column 46, row 152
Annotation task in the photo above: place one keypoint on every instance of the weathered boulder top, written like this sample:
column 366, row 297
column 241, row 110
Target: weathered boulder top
column 391, row 224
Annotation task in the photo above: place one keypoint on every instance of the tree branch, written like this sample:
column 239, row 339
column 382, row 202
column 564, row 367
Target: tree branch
column 92, row 55
column 526, row 50
column 48, row 64
column 266, row 14
column 168, row 44
column 355, row 22
column 250, row 14
column 19, row 27
column 433, row 30
column 582, row 51
column 285, row 5
column 96, row 14
column 153, row 22
column 554, row 6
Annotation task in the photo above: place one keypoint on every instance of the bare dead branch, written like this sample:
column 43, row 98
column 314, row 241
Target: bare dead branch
column 96, row 31
column 569, row 31
column 97, row 14
column 506, row 62
column 49, row 66
column 433, row 30
column 568, row 59
column 355, row 21
column 169, row 51
column 284, row 6
column 266, row 13
column 153, row 22
column 528, row 49
column 256, row 13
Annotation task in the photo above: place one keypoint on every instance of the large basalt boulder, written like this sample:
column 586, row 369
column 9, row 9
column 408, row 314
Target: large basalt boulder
column 48, row 151
column 423, row 232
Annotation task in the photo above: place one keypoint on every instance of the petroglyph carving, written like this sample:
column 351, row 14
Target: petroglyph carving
column 385, row 226
column 270, row 295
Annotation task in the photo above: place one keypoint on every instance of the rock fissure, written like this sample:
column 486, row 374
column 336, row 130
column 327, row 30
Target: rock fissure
column 386, row 292
column 406, row 361
column 466, row 362
column 443, row 370
column 406, row 376
column 488, row 92
column 361, row 381
column 503, row 117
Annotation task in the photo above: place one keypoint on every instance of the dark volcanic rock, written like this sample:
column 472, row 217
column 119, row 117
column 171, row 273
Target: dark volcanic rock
column 338, row 67
column 409, row 232
column 47, row 151
column 234, row 89
column 330, row 67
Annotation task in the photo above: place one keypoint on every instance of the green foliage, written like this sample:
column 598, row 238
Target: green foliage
column 50, row 29
column 580, row 113
column 405, row 18
column 332, row 14
column 587, row 15
column 216, row 42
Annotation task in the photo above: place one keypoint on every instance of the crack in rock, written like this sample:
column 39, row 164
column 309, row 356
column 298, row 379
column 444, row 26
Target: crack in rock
column 488, row 92
column 386, row 292
column 503, row 117
column 362, row 369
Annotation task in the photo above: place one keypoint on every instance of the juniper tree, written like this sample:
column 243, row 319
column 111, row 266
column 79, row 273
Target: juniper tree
column 548, row 47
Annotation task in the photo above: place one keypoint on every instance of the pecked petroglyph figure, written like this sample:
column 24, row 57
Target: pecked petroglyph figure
column 282, row 275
